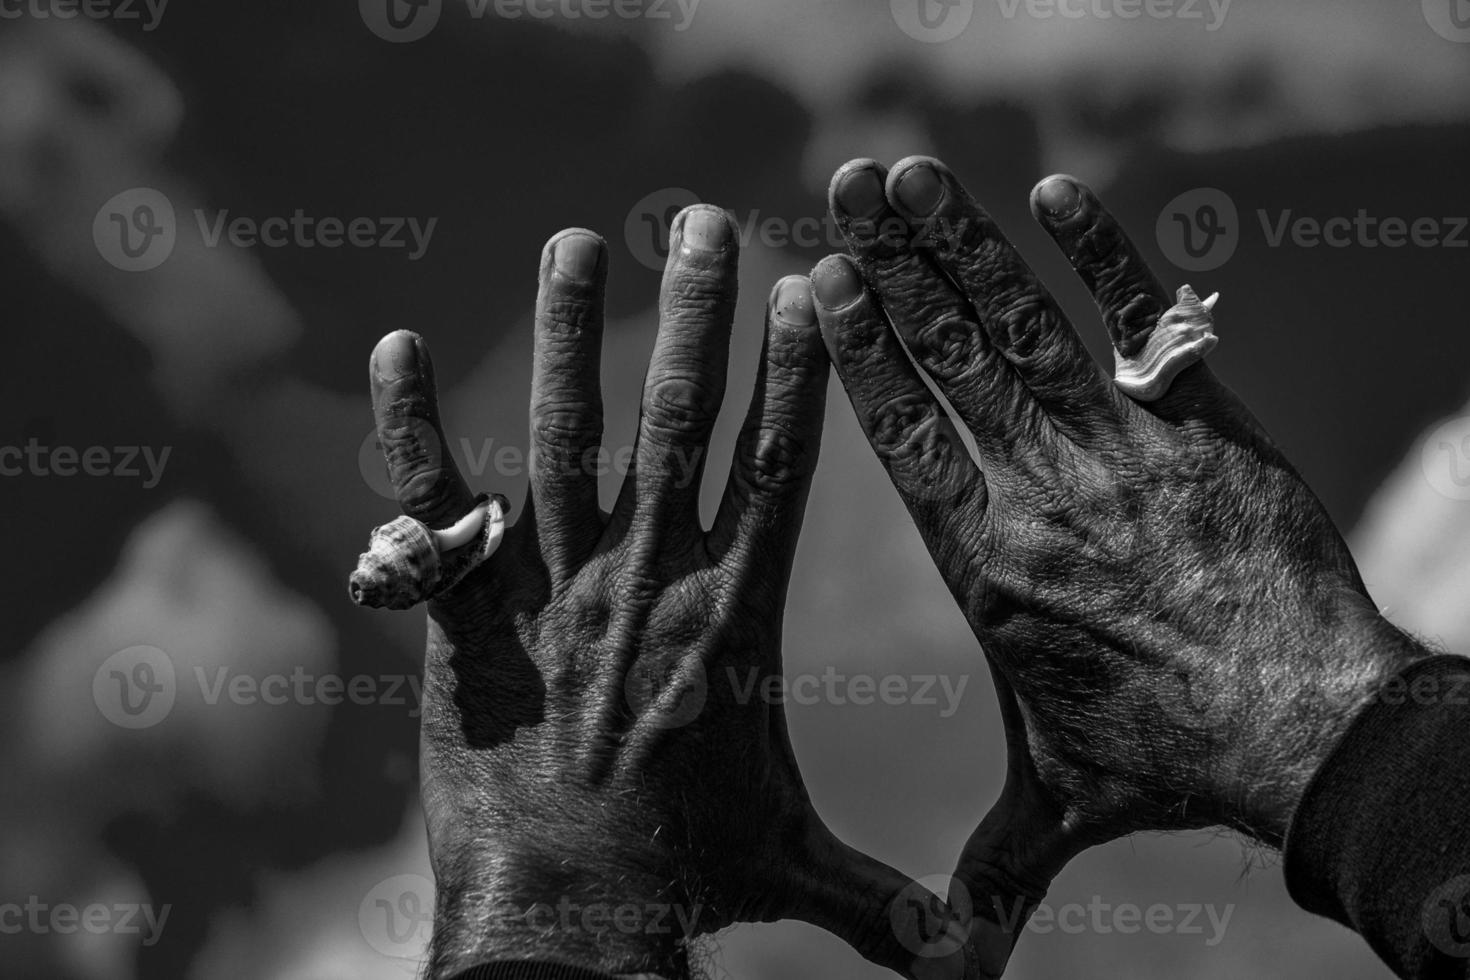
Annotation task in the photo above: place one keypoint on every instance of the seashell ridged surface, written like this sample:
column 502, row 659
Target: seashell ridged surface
column 400, row 567
column 407, row 563
column 1182, row 337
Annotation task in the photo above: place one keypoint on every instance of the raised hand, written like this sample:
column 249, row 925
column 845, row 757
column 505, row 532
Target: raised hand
column 595, row 792
column 1177, row 631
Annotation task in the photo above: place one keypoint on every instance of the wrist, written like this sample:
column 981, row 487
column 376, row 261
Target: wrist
column 519, row 908
column 1308, row 704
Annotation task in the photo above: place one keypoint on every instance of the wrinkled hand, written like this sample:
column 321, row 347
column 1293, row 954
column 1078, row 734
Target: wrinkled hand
column 1177, row 631
column 594, row 792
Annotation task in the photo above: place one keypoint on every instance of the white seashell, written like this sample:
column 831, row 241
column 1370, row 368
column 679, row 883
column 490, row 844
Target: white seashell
column 407, row 562
column 1182, row 337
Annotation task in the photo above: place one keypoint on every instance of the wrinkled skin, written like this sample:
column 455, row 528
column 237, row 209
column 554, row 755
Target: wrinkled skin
column 578, row 748
column 1177, row 631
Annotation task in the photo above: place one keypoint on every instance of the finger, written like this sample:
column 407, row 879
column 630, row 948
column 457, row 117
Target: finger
column 776, row 453
column 566, row 397
column 1000, row 894
column 686, row 375
column 910, row 432
column 938, row 324
column 1022, row 844
column 885, row 916
column 1128, row 294
column 1017, row 314
column 405, row 404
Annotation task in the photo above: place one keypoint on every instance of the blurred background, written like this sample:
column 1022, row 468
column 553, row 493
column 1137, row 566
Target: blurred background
column 209, row 213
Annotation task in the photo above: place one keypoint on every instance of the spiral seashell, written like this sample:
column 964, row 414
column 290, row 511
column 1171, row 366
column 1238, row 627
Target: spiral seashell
column 1182, row 337
column 407, row 562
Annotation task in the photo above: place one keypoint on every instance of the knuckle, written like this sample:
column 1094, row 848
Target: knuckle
column 947, row 346
column 569, row 422
column 899, row 423
column 1022, row 320
column 777, row 457
column 424, row 487
column 919, row 445
column 681, row 404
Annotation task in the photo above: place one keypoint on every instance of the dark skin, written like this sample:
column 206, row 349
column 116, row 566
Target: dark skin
column 595, row 792
column 1176, row 629
column 1177, row 632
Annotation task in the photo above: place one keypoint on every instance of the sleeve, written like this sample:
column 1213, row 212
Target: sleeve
column 1380, row 841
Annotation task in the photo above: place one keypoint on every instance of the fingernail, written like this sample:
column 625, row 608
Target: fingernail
column 396, row 356
column 919, row 190
column 705, row 228
column 836, row 283
column 791, row 301
column 860, row 193
column 575, row 256
column 1059, row 197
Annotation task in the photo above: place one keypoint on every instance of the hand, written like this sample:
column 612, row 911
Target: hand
column 1177, row 632
column 594, row 791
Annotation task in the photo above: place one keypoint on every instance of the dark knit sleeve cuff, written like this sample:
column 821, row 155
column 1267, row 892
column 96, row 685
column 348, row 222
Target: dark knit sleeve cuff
column 1381, row 841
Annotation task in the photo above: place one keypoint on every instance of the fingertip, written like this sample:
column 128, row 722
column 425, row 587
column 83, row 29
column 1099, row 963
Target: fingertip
column 1057, row 198
column 791, row 302
column 703, row 228
column 856, row 189
column 396, row 356
column 916, row 185
column 836, row 284
column 576, row 253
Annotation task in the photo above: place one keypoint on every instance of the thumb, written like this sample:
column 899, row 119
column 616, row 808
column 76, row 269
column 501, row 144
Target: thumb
column 1010, row 860
column 910, row 927
column 1005, row 870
